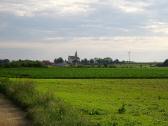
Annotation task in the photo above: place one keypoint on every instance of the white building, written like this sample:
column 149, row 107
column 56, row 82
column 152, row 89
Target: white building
column 74, row 59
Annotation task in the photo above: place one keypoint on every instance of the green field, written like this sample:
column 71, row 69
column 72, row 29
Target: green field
column 145, row 100
column 103, row 96
column 84, row 73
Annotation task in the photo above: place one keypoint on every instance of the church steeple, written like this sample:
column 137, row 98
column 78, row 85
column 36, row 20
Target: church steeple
column 74, row 60
column 76, row 54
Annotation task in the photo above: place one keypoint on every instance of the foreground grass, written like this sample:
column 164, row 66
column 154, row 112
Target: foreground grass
column 84, row 73
column 104, row 102
column 42, row 108
column 129, row 102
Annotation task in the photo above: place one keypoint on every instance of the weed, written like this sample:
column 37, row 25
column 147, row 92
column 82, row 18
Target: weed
column 122, row 109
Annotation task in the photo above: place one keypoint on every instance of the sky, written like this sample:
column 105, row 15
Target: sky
column 46, row 29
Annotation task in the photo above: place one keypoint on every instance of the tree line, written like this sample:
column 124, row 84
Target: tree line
column 90, row 62
column 20, row 63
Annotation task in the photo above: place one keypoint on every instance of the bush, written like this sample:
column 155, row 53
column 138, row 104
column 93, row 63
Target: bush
column 43, row 109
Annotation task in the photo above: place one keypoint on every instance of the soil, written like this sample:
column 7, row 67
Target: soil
column 10, row 115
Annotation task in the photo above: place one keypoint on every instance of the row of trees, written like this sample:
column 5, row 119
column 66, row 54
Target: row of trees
column 21, row 63
column 96, row 61
column 99, row 61
column 103, row 61
column 86, row 61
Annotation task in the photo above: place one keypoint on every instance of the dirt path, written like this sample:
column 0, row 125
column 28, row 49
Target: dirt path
column 10, row 115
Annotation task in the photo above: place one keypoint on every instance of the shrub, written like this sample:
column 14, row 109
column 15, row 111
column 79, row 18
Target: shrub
column 3, row 84
column 122, row 109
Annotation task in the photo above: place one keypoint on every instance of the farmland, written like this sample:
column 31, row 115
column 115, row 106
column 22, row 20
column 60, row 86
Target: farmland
column 143, row 102
column 84, row 73
column 94, row 96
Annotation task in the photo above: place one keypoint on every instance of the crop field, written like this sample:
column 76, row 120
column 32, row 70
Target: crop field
column 84, row 73
column 102, row 96
column 113, row 102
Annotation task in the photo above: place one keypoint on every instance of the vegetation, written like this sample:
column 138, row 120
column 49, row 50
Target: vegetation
column 87, row 101
column 67, row 72
column 99, row 61
column 21, row 63
column 108, row 102
column 122, row 109
column 58, row 60
column 42, row 108
column 4, row 62
column 164, row 64
column 93, row 62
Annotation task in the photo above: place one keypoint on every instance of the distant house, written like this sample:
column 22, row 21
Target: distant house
column 4, row 61
column 74, row 59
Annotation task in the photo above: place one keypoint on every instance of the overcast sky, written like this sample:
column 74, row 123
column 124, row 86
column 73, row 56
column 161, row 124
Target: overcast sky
column 45, row 29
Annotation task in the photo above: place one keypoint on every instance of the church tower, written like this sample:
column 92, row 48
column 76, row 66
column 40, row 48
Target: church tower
column 74, row 60
column 76, row 54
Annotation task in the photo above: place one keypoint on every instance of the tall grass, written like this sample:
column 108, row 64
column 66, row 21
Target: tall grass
column 42, row 108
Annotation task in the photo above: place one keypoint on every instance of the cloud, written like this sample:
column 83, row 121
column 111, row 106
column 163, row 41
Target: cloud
column 104, row 43
column 3, row 25
column 115, row 47
column 68, row 7
column 130, row 6
column 158, row 27
column 104, row 26
column 43, row 7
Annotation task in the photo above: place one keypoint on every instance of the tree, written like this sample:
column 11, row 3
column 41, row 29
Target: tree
column 107, row 60
column 165, row 62
column 99, row 61
column 84, row 61
column 116, row 61
column 24, row 63
column 92, row 61
column 58, row 60
column 4, row 62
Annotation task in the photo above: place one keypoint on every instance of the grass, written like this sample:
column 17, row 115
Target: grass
column 43, row 109
column 84, row 73
column 97, row 96
column 129, row 102
column 98, row 102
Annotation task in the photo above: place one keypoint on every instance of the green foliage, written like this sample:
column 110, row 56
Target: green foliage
column 84, row 73
column 85, row 61
column 4, row 62
column 23, row 63
column 100, row 99
column 164, row 64
column 42, row 108
column 58, row 60
column 122, row 109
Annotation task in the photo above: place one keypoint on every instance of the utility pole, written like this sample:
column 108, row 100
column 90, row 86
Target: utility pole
column 129, row 56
